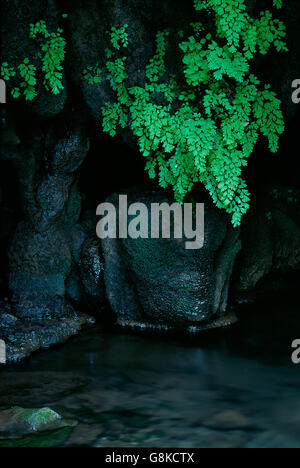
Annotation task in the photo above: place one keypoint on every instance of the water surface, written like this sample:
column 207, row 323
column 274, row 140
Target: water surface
column 225, row 390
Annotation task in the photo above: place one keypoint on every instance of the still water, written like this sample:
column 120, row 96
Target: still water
column 223, row 390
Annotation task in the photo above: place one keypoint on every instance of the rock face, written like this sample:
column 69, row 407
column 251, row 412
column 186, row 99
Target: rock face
column 160, row 283
column 88, row 27
column 229, row 420
column 271, row 242
column 52, row 206
column 85, row 284
column 49, row 246
column 24, row 336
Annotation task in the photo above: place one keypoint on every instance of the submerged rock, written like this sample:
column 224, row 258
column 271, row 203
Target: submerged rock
column 229, row 420
column 19, row 426
column 158, row 283
column 24, row 388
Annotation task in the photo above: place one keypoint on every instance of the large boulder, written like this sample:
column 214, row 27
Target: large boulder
column 159, row 283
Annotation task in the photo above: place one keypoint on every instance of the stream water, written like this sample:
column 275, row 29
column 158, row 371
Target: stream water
column 223, row 390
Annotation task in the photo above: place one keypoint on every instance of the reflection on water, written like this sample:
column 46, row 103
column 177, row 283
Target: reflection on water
column 142, row 391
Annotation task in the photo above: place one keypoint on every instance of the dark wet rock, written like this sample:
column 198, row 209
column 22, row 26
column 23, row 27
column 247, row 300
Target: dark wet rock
column 273, row 438
column 22, row 388
column 270, row 242
column 38, row 274
column 228, row 420
column 18, row 15
column 52, row 207
column 74, row 288
column 88, row 27
column 24, row 335
column 222, row 439
column 41, row 248
column 19, row 426
column 159, row 283
column 52, row 258
column 9, row 202
column 20, row 420
column 92, row 269
column 84, row 435
column 164, row 437
column 85, row 284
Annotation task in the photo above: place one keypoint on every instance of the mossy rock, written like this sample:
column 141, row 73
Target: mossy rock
column 20, row 427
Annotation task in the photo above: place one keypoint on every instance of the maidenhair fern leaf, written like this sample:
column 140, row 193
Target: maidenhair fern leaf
column 203, row 129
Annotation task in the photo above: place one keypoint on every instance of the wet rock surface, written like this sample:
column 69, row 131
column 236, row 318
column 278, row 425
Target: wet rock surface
column 45, row 387
column 23, row 336
column 52, row 206
column 20, row 420
column 229, row 420
column 88, row 27
column 27, row 427
column 160, row 282
column 270, row 243
column 85, row 284
column 45, row 248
